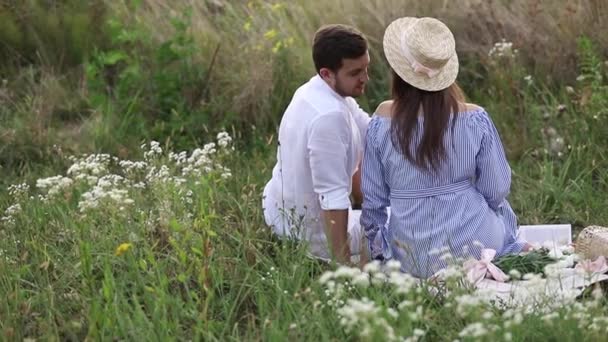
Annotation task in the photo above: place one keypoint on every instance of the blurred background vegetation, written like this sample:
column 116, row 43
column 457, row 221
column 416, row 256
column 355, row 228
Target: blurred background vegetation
column 103, row 76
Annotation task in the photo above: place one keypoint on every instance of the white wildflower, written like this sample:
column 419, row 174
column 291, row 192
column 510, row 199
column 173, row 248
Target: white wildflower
column 405, row 304
column 326, row 276
column 402, row 282
column 223, row 139
column 393, row 265
column 18, row 190
column 502, row 49
column 467, row 302
column 550, row 317
column 379, row 278
column 54, row 185
column 132, row 166
column 474, row 330
column 13, row 210
column 392, row 312
column 361, row 280
column 372, row 267
column 419, row 332
column 346, row 272
column 416, row 315
column 356, row 311
column 90, row 165
column 154, row 151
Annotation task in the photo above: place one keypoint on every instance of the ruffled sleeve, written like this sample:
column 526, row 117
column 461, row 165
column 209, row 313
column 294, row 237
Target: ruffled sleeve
column 373, row 185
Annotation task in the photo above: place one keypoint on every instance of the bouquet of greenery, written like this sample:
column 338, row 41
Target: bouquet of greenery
column 529, row 262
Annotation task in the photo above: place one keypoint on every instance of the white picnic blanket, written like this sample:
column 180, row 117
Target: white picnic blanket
column 563, row 284
column 566, row 283
column 565, row 287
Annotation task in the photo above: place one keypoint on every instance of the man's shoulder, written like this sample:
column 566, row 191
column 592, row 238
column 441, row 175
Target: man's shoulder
column 319, row 98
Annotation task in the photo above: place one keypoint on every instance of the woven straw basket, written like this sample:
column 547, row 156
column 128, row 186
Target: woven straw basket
column 592, row 242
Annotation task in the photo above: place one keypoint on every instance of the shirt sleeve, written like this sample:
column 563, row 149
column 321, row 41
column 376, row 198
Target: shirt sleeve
column 493, row 174
column 361, row 118
column 375, row 190
column 328, row 141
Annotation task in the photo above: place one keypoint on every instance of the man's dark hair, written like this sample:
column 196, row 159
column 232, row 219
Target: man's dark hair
column 333, row 43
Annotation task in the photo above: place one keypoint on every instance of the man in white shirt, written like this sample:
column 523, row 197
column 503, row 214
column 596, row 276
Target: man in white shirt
column 319, row 150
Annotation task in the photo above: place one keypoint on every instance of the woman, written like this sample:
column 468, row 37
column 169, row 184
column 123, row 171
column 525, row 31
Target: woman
column 435, row 160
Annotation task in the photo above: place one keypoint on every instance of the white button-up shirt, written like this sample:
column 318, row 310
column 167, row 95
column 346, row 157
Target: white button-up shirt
column 320, row 146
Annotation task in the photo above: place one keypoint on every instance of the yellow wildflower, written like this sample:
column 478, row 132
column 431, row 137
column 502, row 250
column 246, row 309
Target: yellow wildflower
column 247, row 26
column 122, row 248
column 277, row 47
column 270, row 35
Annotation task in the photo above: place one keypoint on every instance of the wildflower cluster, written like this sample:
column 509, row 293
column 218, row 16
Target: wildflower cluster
column 104, row 182
column 18, row 191
column 380, row 302
column 502, row 49
column 108, row 188
column 54, row 185
column 90, row 167
column 202, row 161
column 363, row 316
column 10, row 213
column 555, row 143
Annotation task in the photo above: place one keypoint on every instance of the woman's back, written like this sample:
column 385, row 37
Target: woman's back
column 449, row 207
column 461, row 145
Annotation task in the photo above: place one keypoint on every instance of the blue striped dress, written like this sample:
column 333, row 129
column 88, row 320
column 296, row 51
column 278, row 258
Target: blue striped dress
column 460, row 209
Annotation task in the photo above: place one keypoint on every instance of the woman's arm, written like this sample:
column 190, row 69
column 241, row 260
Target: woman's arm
column 375, row 190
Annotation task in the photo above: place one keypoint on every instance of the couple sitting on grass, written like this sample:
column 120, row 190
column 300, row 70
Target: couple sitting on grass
column 428, row 169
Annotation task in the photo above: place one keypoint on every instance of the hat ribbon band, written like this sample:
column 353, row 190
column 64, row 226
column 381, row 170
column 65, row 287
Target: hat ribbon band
column 417, row 66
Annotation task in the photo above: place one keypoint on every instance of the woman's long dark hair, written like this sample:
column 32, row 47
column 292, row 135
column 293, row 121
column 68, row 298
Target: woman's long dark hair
column 436, row 107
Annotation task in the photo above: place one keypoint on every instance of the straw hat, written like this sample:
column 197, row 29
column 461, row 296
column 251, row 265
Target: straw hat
column 422, row 51
column 592, row 242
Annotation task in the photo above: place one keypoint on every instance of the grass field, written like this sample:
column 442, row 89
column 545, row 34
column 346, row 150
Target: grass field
column 107, row 235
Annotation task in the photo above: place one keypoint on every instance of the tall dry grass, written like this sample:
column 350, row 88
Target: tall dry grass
column 255, row 53
column 545, row 32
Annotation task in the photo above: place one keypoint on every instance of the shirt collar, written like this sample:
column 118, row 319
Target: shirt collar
column 317, row 81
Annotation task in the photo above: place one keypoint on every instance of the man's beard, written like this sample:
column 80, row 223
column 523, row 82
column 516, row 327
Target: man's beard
column 342, row 92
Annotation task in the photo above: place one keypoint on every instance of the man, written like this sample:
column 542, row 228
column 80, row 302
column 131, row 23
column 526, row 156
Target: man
column 319, row 149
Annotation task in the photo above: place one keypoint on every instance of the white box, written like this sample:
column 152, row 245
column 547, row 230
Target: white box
column 560, row 234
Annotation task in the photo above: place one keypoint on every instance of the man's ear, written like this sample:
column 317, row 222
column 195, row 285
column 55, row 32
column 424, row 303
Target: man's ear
column 326, row 74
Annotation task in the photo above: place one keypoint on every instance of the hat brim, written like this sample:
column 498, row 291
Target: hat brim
column 403, row 68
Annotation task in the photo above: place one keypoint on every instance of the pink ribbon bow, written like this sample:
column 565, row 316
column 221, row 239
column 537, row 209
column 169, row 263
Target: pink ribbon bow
column 417, row 67
column 597, row 266
column 421, row 69
column 484, row 268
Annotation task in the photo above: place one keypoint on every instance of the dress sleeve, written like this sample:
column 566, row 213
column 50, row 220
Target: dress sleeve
column 327, row 151
column 375, row 190
column 493, row 174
